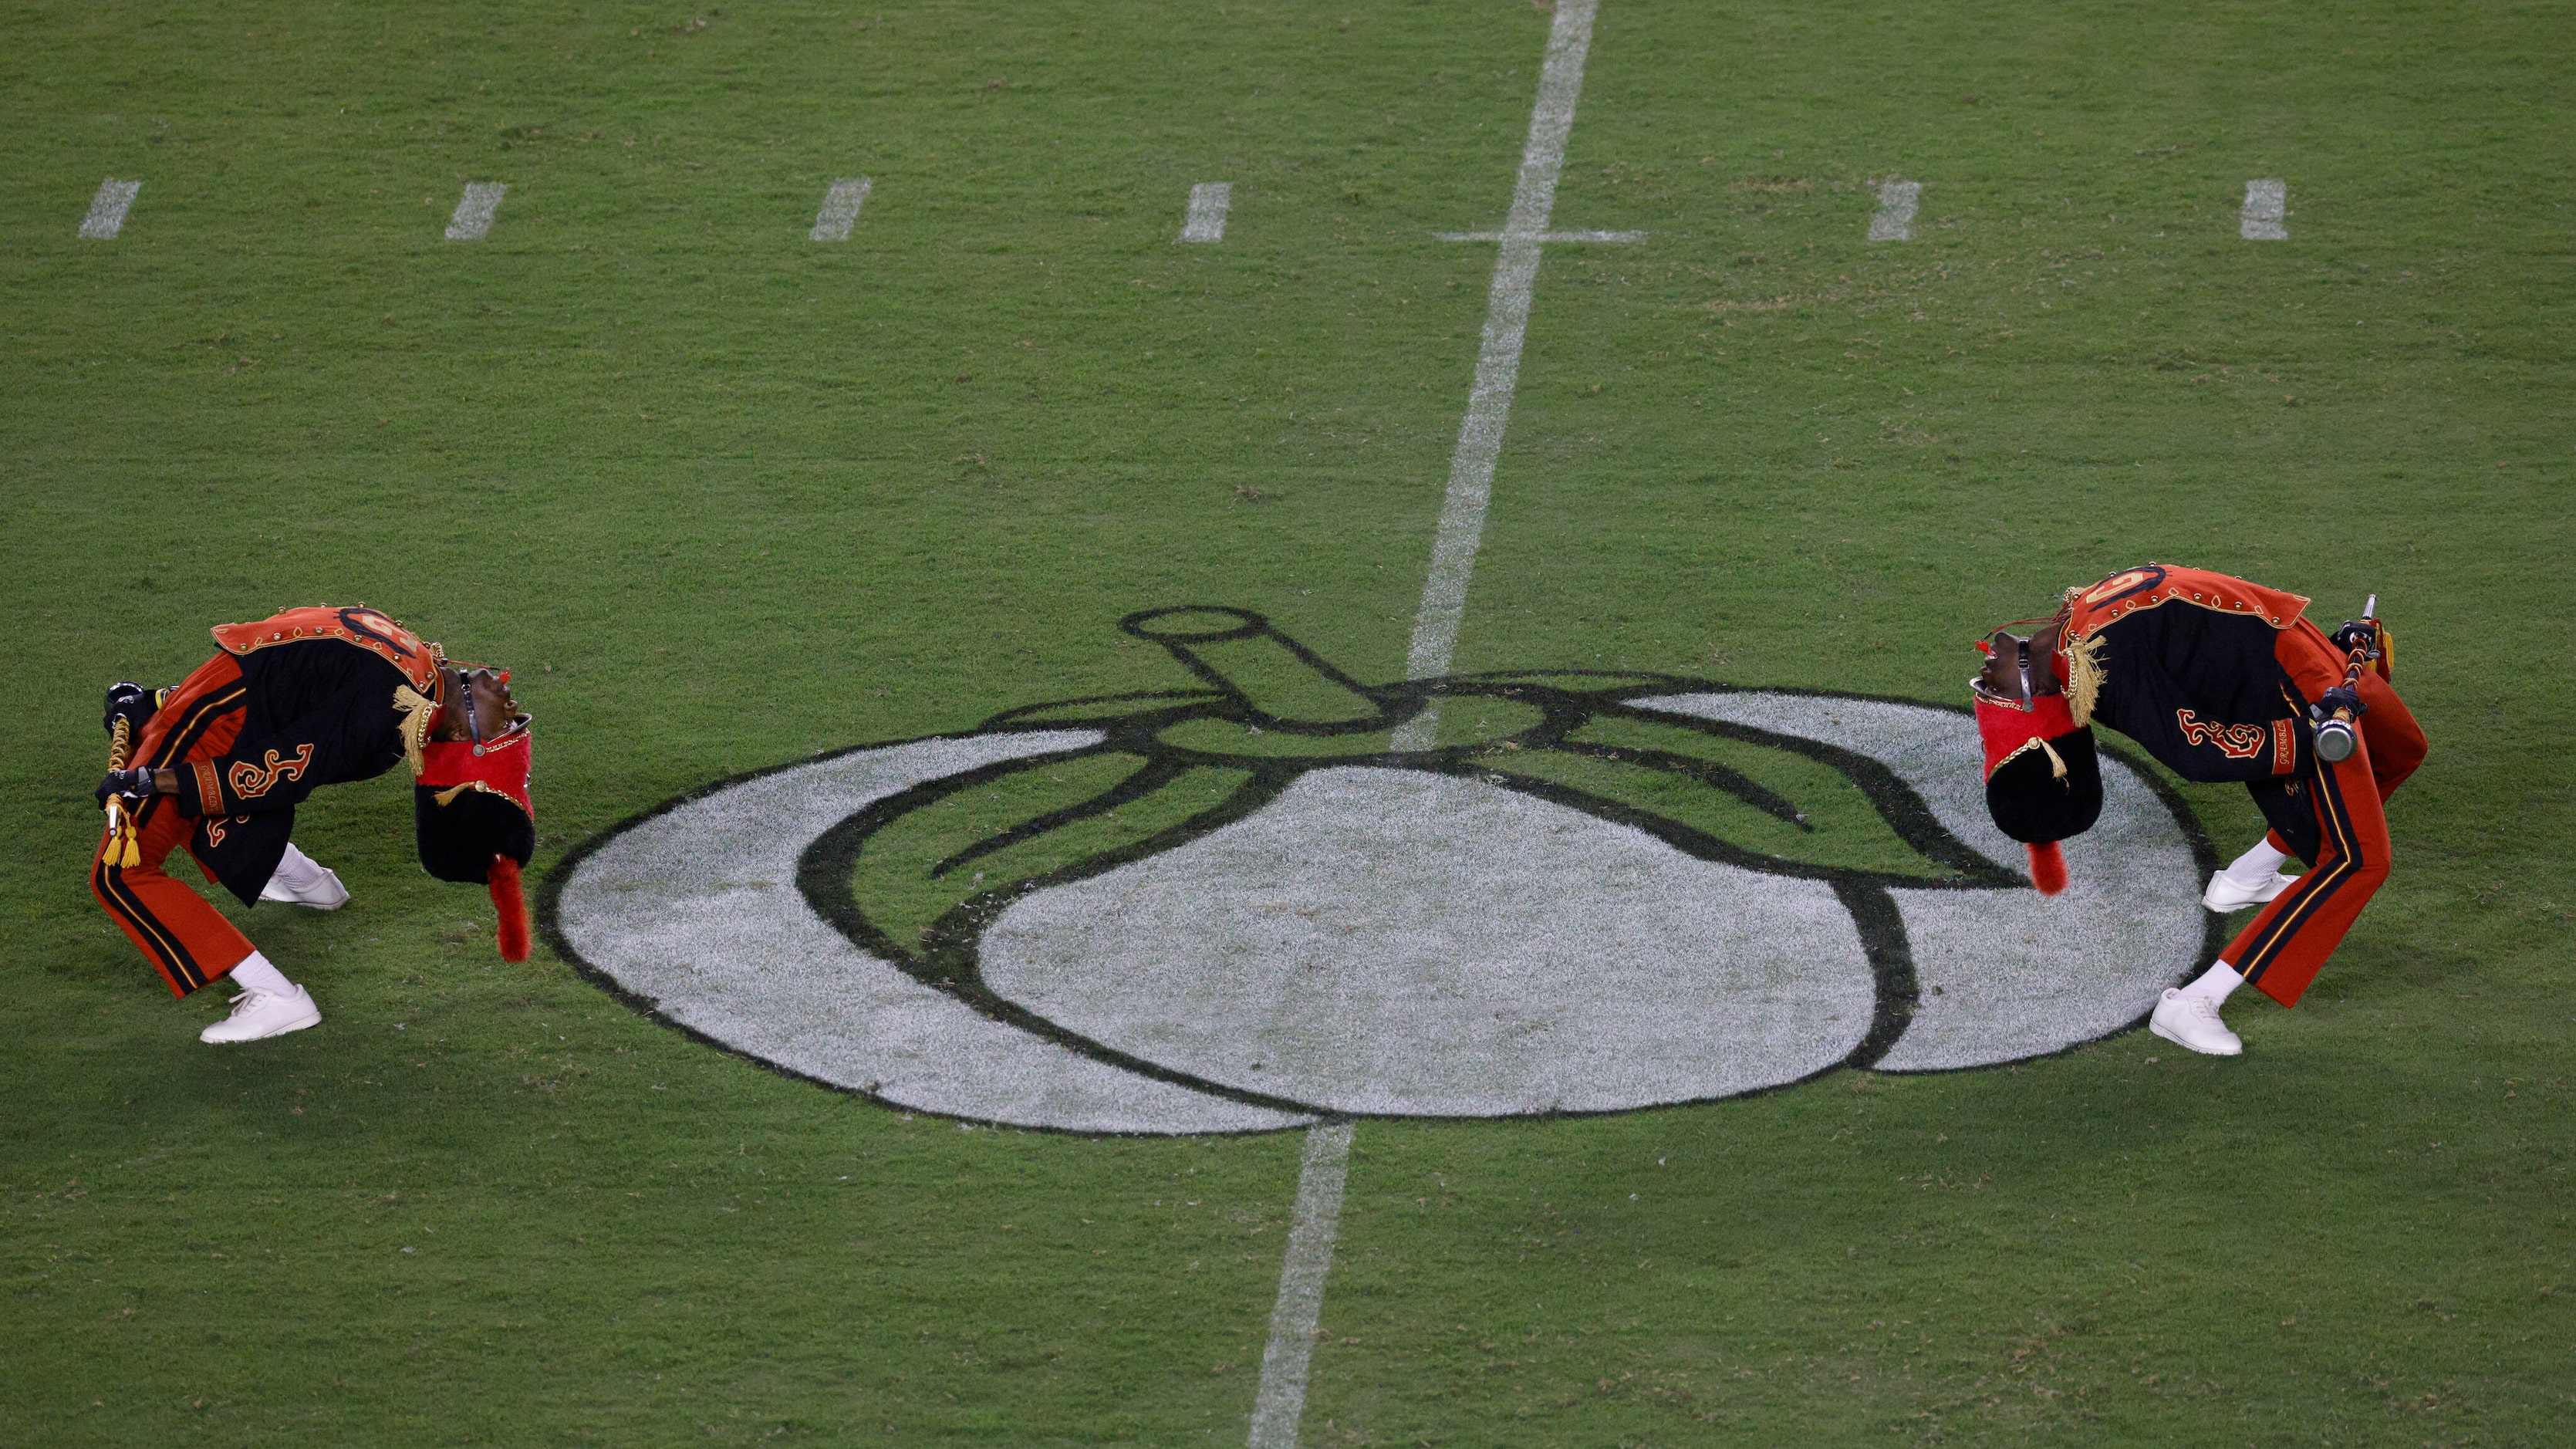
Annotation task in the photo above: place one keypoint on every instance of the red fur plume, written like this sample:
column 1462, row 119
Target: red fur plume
column 504, row 880
column 2047, row 869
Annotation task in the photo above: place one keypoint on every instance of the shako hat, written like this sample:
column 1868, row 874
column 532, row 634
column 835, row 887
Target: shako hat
column 475, row 825
column 2043, row 781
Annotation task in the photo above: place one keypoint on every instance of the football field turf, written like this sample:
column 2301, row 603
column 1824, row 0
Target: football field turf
column 726, row 496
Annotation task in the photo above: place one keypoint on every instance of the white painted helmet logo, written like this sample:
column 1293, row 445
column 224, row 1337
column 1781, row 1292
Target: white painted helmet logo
column 1239, row 907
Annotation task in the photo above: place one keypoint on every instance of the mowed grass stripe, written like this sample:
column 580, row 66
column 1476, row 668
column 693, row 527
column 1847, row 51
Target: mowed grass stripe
column 824, row 559
column 1829, row 446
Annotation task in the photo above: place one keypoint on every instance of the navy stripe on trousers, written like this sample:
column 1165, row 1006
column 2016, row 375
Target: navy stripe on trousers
column 2317, row 887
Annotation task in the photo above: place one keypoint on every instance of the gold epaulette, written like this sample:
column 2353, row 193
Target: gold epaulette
column 419, row 712
column 2085, row 673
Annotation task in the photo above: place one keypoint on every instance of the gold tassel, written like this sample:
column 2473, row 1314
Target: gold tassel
column 2085, row 672
column 419, row 712
column 123, row 849
column 2056, row 766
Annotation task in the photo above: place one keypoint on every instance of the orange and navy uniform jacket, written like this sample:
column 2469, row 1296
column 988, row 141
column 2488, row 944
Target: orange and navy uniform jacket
column 2213, row 676
column 316, row 711
column 289, row 704
column 321, row 704
column 2186, row 663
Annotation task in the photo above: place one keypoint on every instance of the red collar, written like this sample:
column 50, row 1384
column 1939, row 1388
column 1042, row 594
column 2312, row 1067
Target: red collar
column 499, row 765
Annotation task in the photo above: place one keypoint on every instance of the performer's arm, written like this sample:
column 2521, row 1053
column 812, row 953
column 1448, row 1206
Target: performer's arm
column 2201, row 692
column 2215, row 750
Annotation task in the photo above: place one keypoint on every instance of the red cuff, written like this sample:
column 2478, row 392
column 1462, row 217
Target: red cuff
column 210, row 787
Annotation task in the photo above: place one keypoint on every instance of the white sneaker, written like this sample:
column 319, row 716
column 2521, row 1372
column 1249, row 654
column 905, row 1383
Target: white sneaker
column 261, row 1014
column 323, row 892
column 2223, row 895
column 2191, row 1022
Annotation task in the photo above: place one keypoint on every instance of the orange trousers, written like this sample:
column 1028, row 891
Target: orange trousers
column 178, row 930
column 2281, row 950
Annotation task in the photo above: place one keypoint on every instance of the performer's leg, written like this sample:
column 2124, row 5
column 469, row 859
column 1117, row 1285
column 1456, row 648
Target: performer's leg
column 200, row 719
column 2251, row 879
column 257, row 973
column 270, row 1005
column 302, row 881
column 187, row 939
column 2396, row 748
column 2215, row 984
column 2258, row 865
column 2188, row 1017
column 2397, row 743
column 2281, row 951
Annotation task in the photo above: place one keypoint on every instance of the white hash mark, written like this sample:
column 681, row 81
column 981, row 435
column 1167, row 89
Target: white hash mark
column 1894, row 220
column 474, row 210
column 840, row 208
column 1206, row 221
column 107, row 209
column 2267, row 206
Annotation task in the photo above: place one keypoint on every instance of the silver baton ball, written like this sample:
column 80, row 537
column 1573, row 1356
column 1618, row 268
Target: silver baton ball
column 2337, row 734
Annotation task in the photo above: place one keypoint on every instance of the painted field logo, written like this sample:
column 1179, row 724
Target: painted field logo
column 1235, row 907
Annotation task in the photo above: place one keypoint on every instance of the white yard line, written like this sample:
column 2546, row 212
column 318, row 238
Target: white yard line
column 1498, row 361
column 474, row 210
column 1894, row 219
column 1282, row 1399
column 2267, row 206
column 1301, row 1287
column 107, row 209
column 841, row 208
column 1208, row 201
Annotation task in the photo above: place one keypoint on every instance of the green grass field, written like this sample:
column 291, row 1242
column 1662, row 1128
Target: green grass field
column 725, row 497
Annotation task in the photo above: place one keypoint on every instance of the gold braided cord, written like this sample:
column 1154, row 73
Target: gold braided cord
column 2056, row 763
column 448, row 795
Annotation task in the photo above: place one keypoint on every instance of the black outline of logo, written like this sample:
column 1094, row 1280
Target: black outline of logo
column 362, row 620
column 2139, row 580
column 948, row 963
